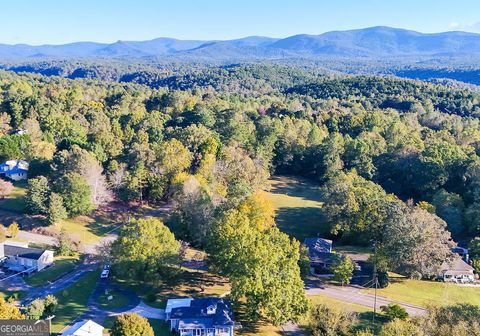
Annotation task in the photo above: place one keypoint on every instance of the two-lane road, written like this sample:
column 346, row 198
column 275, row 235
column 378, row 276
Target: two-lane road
column 354, row 294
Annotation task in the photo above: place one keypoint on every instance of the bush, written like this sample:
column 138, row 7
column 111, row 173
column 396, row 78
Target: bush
column 394, row 311
column 326, row 321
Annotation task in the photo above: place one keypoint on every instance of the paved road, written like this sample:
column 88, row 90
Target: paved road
column 353, row 294
column 36, row 238
column 60, row 284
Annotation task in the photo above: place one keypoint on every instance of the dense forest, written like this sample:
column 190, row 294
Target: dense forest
column 397, row 161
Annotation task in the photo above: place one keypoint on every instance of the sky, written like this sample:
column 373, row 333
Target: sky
column 62, row 21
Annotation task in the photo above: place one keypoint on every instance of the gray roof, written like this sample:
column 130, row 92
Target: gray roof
column 23, row 252
column 319, row 249
column 457, row 265
column 318, row 244
column 196, row 316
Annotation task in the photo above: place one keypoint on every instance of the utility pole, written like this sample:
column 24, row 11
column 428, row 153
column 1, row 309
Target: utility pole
column 375, row 280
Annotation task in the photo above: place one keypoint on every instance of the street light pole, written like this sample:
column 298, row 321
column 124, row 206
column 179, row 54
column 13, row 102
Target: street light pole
column 375, row 280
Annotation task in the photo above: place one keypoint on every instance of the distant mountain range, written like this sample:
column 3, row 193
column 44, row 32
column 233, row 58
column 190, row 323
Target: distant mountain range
column 371, row 42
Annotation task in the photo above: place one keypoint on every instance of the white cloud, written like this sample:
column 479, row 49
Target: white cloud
column 453, row 25
column 472, row 27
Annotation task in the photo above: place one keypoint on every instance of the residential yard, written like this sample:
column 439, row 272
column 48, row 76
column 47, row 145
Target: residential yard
column 15, row 202
column 62, row 266
column 298, row 206
column 190, row 283
column 119, row 300
column 72, row 301
column 90, row 229
column 423, row 293
column 194, row 280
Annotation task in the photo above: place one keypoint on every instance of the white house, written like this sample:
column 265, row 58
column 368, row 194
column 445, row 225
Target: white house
column 18, row 257
column 456, row 271
column 84, row 328
column 14, row 169
column 200, row 317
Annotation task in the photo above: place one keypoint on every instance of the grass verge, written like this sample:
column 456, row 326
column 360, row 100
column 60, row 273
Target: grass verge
column 63, row 265
column 72, row 301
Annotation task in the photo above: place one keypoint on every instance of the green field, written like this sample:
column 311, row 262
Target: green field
column 15, row 202
column 423, row 293
column 298, row 206
column 85, row 229
column 62, row 266
column 72, row 301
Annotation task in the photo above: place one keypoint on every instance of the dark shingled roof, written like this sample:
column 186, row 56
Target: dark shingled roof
column 319, row 249
column 23, row 252
column 196, row 315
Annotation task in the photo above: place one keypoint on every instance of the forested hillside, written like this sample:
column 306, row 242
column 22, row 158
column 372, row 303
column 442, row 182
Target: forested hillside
column 397, row 161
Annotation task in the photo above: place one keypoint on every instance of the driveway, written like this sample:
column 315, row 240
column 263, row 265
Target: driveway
column 60, row 284
column 36, row 238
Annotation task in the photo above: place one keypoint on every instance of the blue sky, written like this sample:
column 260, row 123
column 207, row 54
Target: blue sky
column 61, row 21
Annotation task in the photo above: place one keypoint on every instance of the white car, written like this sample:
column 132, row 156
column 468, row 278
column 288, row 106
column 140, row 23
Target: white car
column 104, row 274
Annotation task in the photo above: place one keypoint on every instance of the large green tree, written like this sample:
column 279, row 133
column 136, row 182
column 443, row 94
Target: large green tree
column 262, row 266
column 76, row 194
column 147, row 250
column 131, row 325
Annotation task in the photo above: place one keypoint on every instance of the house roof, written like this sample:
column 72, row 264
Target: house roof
column 318, row 244
column 14, row 165
column 177, row 303
column 319, row 249
column 23, row 252
column 457, row 266
column 84, row 328
column 204, row 312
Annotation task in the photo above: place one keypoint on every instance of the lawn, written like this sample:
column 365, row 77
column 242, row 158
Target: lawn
column 298, row 206
column 85, row 229
column 15, row 202
column 62, row 266
column 423, row 293
column 190, row 283
column 72, row 301
column 119, row 300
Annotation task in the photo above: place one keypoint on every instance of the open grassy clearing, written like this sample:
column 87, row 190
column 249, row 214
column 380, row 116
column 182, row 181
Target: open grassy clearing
column 422, row 293
column 90, row 229
column 15, row 202
column 62, row 266
column 72, row 301
column 298, row 206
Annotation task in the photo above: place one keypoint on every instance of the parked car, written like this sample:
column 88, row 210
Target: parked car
column 104, row 274
column 106, row 266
